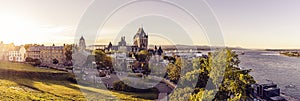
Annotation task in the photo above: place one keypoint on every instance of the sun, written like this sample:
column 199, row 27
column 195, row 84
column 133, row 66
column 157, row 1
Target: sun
column 16, row 29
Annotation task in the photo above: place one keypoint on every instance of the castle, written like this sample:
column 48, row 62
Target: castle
column 140, row 42
column 141, row 39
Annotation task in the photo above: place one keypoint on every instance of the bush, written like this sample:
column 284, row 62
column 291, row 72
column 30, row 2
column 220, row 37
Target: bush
column 121, row 86
column 36, row 62
column 29, row 59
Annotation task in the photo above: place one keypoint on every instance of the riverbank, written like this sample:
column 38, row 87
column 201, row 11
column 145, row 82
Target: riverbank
column 291, row 54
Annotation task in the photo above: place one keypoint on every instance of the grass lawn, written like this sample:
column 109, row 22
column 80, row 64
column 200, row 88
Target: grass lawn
column 24, row 82
column 24, row 67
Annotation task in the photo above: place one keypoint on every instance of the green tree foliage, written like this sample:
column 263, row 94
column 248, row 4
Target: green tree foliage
column 181, row 94
column 143, row 56
column 231, row 84
column 102, row 60
column 123, row 86
column 142, row 62
column 173, row 72
column 202, row 95
column 68, row 49
column 180, row 66
column 26, row 46
column 174, row 69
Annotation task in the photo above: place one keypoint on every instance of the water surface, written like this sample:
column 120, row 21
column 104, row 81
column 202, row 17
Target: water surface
column 272, row 67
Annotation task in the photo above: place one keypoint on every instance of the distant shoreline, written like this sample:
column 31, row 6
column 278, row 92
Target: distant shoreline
column 291, row 54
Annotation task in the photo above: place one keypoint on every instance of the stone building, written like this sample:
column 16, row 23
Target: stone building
column 140, row 42
column 49, row 53
column 46, row 54
column 121, row 47
column 122, row 42
column 140, row 39
column 34, row 52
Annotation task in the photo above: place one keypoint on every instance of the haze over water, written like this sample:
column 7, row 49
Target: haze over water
column 270, row 67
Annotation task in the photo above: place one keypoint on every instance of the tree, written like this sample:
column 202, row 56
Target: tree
column 55, row 61
column 102, row 60
column 159, row 51
column 27, row 46
column 232, row 87
column 68, row 49
column 143, row 56
column 36, row 62
column 142, row 62
column 29, row 59
column 174, row 70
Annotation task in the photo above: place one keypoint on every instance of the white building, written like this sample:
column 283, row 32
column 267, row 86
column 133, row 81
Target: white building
column 17, row 55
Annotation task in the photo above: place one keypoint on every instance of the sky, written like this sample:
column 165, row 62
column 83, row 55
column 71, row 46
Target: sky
column 257, row 24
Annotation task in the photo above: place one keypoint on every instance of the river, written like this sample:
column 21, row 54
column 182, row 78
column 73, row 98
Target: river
column 270, row 67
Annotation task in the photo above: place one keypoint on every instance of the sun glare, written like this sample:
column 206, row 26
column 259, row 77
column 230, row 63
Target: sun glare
column 16, row 29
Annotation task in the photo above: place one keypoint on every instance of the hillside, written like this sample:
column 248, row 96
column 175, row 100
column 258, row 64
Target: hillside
column 25, row 82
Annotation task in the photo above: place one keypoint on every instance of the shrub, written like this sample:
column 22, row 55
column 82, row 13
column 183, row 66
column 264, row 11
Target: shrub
column 121, row 86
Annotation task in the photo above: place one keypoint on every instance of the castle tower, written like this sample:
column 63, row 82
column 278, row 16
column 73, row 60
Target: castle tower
column 82, row 45
column 122, row 42
column 141, row 39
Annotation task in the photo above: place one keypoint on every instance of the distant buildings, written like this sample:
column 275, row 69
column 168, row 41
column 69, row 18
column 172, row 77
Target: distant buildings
column 46, row 54
column 4, row 51
column 49, row 53
column 121, row 47
column 140, row 42
column 79, row 57
column 34, row 52
column 17, row 55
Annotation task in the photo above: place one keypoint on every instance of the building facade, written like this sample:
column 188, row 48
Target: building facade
column 46, row 54
column 4, row 50
column 140, row 39
column 49, row 53
column 17, row 55
column 34, row 52
column 121, row 47
column 140, row 42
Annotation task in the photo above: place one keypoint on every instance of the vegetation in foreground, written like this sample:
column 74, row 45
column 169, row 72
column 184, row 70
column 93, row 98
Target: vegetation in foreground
column 24, row 82
column 219, row 71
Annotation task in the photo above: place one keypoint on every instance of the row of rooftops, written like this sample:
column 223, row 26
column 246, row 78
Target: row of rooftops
column 9, row 47
column 39, row 48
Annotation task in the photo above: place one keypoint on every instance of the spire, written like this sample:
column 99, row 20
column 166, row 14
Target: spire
column 81, row 38
column 82, row 45
column 140, row 31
